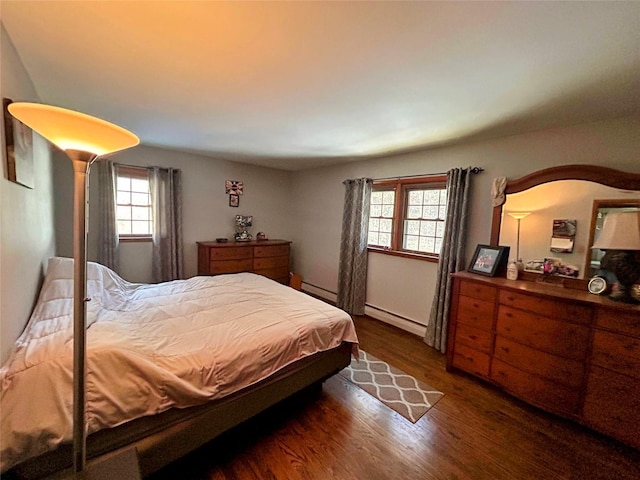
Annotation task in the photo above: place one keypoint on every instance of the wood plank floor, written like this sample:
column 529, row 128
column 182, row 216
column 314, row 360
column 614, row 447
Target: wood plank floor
column 474, row 432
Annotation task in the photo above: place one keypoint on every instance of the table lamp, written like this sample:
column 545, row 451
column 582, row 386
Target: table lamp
column 620, row 239
column 84, row 139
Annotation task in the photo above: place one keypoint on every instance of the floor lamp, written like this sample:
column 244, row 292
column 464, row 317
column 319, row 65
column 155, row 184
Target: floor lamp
column 518, row 216
column 84, row 139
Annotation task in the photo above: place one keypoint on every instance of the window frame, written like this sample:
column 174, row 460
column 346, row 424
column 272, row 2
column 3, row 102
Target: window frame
column 139, row 173
column 402, row 186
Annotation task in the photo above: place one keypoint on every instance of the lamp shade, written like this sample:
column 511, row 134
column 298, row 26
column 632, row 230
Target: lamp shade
column 70, row 130
column 518, row 215
column 620, row 231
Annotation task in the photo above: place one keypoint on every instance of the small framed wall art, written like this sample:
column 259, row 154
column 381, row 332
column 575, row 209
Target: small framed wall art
column 234, row 200
column 18, row 148
column 233, row 187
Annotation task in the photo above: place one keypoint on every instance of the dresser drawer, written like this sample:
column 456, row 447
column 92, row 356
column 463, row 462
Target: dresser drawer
column 547, row 307
column 552, row 336
column 475, row 312
column 230, row 253
column 478, row 290
column 271, row 251
column 538, row 391
column 612, row 405
column 619, row 321
column 230, row 266
column 477, row 338
column 471, row 360
column 616, row 352
column 270, row 262
column 553, row 368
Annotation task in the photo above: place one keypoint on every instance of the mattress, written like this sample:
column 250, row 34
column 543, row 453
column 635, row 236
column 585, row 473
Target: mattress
column 152, row 347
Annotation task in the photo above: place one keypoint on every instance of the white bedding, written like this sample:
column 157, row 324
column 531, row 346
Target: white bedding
column 150, row 348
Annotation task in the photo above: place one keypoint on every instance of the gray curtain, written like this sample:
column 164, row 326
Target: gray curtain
column 107, row 227
column 451, row 256
column 352, row 276
column 165, row 185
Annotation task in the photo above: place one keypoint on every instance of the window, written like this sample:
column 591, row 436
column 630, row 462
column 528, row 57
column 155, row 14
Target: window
column 133, row 204
column 407, row 216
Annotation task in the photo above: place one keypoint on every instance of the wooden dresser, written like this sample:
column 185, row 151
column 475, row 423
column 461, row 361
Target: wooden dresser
column 266, row 257
column 566, row 351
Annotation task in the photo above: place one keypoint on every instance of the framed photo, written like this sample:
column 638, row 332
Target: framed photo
column 489, row 260
column 233, row 187
column 234, row 200
column 18, row 148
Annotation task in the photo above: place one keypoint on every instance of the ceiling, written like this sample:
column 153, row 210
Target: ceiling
column 294, row 85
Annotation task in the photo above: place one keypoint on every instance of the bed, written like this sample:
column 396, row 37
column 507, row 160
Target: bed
column 170, row 366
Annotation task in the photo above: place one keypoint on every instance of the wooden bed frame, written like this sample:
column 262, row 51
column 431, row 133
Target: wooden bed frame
column 162, row 439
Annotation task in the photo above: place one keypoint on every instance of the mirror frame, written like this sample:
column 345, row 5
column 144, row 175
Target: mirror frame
column 591, row 173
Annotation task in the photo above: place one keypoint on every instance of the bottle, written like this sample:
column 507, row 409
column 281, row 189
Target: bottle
column 512, row 270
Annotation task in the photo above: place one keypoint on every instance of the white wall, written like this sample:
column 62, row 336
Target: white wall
column 407, row 291
column 206, row 211
column 26, row 218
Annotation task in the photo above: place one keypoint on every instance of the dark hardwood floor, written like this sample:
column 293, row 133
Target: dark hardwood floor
column 474, row 432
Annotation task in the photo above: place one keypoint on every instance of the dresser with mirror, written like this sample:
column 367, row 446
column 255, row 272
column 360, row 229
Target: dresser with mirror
column 544, row 338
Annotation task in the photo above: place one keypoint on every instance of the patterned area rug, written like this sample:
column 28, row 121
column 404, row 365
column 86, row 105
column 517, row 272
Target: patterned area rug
column 401, row 392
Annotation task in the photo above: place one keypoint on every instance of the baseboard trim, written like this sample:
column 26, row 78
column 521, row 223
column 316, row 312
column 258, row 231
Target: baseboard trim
column 378, row 313
column 403, row 323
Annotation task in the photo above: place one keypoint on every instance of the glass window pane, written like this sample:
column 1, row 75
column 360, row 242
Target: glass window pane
column 388, row 197
column 385, row 240
column 443, row 212
column 140, row 198
column 411, row 242
column 423, row 245
column 438, row 246
column 430, row 245
column 376, row 210
column 387, row 211
column 123, row 183
column 443, row 196
column 415, row 197
column 414, row 212
column 373, row 238
column 139, row 185
column 376, row 197
column 123, row 198
column 374, row 224
column 440, row 229
column 140, row 213
column 428, row 228
column 140, row 228
column 412, row 227
column 123, row 213
column 432, row 197
column 124, row 227
column 430, row 211
column 386, row 225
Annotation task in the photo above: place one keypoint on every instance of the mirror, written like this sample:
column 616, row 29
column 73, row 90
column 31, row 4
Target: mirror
column 564, row 205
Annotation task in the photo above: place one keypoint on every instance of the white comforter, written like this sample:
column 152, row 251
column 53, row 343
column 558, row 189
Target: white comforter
column 151, row 347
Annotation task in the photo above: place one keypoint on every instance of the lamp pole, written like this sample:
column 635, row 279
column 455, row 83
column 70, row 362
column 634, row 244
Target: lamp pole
column 81, row 164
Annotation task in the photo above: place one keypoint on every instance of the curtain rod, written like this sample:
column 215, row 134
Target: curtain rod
column 473, row 170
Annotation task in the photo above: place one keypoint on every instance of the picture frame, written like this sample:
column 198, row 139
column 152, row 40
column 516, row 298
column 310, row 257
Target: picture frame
column 234, row 187
column 489, row 260
column 18, row 148
column 234, row 200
